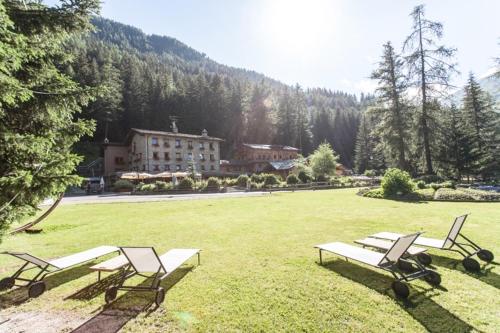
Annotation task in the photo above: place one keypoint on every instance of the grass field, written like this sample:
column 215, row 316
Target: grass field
column 259, row 271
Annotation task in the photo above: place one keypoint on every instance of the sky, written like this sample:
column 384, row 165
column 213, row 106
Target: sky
column 333, row 44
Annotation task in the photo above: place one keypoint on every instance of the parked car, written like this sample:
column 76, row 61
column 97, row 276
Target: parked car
column 93, row 185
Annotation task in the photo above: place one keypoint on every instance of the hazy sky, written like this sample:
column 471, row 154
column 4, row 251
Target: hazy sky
column 316, row 43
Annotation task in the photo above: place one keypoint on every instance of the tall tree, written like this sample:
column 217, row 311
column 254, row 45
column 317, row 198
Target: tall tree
column 39, row 104
column 429, row 70
column 259, row 128
column 394, row 122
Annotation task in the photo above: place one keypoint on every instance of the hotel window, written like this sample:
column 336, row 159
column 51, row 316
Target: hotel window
column 156, row 156
column 133, row 147
column 154, row 141
column 156, row 168
column 178, row 156
column 190, row 144
column 167, row 167
column 202, row 157
column 212, row 167
column 178, row 167
column 211, row 146
column 190, row 156
column 290, row 156
column 119, row 160
column 212, row 157
column 167, row 156
column 202, row 168
column 166, row 144
column 177, row 143
column 202, row 145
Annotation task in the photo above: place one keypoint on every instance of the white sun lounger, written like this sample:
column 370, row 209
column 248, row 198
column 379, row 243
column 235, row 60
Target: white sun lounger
column 388, row 261
column 450, row 243
column 144, row 260
column 36, row 284
column 380, row 244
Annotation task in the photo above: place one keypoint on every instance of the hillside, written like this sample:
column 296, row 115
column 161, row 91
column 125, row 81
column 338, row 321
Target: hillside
column 146, row 79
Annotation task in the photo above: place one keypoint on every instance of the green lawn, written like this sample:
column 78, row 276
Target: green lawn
column 259, row 270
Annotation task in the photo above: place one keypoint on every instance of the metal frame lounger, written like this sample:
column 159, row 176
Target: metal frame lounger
column 384, row 245
column 36, row 285
column 450, row 243
column 145, row 260
column 388, row 261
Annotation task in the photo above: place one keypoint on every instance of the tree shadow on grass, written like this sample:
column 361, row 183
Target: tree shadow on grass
column 19, row 295
column 114, row 316
column 97, row 288
column 419, row 305
column 485, row 275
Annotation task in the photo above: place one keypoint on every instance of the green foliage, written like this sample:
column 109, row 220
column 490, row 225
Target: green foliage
column 257, row 178
column 148, row 188
column 292, row 179
column 447, row 184
column 186, row 184
column 370, row 173
column 270, row 179
column 123, row 184
column 421, row 184
column 304, row 176
column 323, row 160
column 163, row 186
column 397, row 182
column 376, row 193
column 213, row 183
column 426, row 194
column 39, row 104
column 242, row 180
column 321, row 178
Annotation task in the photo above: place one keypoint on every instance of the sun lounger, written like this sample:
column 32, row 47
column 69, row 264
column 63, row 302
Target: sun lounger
column 388, row 261
column 384, row 245
column 144, row 260
column 450, row 243
column 36, row 284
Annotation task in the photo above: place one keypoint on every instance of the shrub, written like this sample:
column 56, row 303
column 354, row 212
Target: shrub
column 321, row 178
column 304, row 176
column 482, row 195
column 430, row 179
column 242, row 181
column 377, row 193
column 453, row 195
column 163, row 186
column 270, row 180
column 323, row 160
column 213, row 183
column 148, row 187
column 421, row 184
column 254, row 185
column 186, row 184
column 426, row 194
column 256, row 178
column 292, row 179
column 396, row 182
column 335, row 181
column 369, row 173
column 447, row 184
column 123, row 184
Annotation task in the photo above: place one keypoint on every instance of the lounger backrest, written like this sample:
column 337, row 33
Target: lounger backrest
column 143, row 259
column 31, row 259
column 455, row 230
column 398, row 248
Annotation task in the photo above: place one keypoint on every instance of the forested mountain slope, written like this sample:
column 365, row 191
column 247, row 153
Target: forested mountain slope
column 146, row 79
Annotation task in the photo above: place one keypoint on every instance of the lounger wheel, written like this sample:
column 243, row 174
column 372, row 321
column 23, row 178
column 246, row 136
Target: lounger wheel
column 424, row 258
column 36, row 289
column 7, row 283
column 110, row 294
column 485, row 255
column 433, row 278
column 400, row 289
column 471, row 265
column 160, row 296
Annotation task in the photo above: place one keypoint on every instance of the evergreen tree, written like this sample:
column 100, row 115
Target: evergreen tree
column 393, row 128
column 39, row 104
column 259, row 128
column 365, row 156
column 429, row 72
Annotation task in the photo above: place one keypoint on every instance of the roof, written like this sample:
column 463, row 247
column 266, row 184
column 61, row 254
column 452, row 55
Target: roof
column 173, row 134
column 269, row 147
column 283, row 165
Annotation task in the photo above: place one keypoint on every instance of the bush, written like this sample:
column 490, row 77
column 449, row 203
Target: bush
column 452, row 195
column 335, row 181
column 242, row 180
column 270, row 180
column 186, row 184
column 321, row 178
column 369, row 173
column 123, row 184
column 213, row 183
column 397, row 182
column 163, row 186
column 254, row 185
column 430, row 179
column 256, row 178
column 292, row 179
column 304, row 176
column 448, row 184
column 426, row 194
column 148, row 188
column 376, row 193
column 421, row 184
column 482, row 195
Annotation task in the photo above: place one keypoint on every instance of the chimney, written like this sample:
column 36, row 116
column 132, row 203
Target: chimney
column 204, row 133
column 174, row 127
